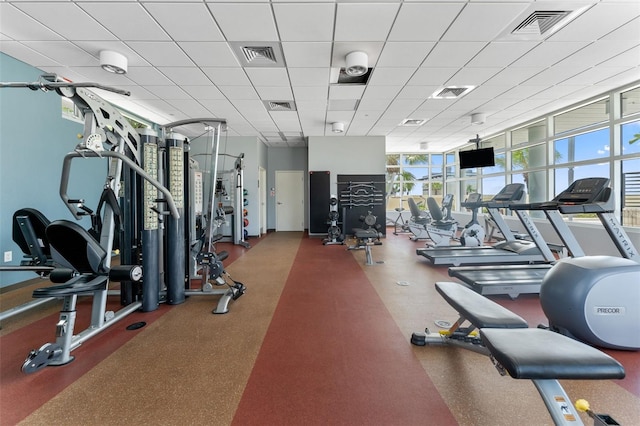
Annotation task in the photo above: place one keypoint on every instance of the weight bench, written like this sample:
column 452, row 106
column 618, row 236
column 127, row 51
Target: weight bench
column 525, row 353
column 365, row 239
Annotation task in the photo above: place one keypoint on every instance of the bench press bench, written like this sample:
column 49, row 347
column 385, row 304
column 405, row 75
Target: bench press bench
column 366, row 238
column 541, row 356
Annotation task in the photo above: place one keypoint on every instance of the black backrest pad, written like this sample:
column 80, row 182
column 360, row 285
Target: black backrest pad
column 73, row 246
column 434, row 209
column 39, row 223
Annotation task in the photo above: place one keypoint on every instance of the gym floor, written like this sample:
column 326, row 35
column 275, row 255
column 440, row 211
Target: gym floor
column 319, row 338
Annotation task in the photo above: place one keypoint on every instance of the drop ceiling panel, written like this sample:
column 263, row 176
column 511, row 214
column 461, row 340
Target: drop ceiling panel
column 305, row 22
column 548, row 53
column 227, row 76
column 309, row 76
column 501, row 54
column 629, row 58
column 628, row 31
column 25, row 54
column 417, row 92
column 312, row 105
column 307, row 54
column 512, row 76
column 185, row 21
column 268, row 76
column 453, row 54
column 598, row 21
column 346, row 91
column 596, row 53
column 310, row 93
column 239, row 92
column 423, row 21
column 361, row 22
column 274, row 93
column 472, row 76
column 245, row 21
column 185, row 75
column 64, row 52
column 410, row 54
column 432, row 75
column 483, row 21
column 83, row 26
column 209, row 54
column 19, row 26
column 148, row 76
column 391, row 76
column 161, row 53
column 128, row 21
column 168, row 92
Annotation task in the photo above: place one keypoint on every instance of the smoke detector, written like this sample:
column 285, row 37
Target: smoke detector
column 337, row 127
column 113, row 62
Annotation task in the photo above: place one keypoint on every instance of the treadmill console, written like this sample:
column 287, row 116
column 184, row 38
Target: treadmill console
column 510, row 193
column 583, row 191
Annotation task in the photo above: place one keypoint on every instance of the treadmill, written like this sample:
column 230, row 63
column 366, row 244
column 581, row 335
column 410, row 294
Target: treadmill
column 510, row 251
column 590, row 195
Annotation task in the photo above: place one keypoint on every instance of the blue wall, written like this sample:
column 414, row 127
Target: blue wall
column 33, row 141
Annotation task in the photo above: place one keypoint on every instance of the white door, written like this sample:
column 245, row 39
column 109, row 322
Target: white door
column 289, row 200
column 262, row 183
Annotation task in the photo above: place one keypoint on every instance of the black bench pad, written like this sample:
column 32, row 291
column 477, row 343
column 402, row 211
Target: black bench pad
column 78, row 285
column 477, row 309
column 542, row 354
column 365, row 233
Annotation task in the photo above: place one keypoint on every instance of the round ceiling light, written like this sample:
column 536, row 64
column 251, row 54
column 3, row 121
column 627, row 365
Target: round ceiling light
column 357, row 64
column 113, row 62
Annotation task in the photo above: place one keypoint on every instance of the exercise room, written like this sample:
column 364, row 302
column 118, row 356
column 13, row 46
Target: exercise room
column 326, row 212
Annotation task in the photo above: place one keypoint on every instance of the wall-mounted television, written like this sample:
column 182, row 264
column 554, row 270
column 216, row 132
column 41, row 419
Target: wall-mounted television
column 482, row 157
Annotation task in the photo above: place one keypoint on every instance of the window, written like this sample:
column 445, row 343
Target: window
column 631, row 192
column 587, row 146
column 630, row 101
column 533, row 132
column 593, row 113
column 526, row 158
column 630, row 138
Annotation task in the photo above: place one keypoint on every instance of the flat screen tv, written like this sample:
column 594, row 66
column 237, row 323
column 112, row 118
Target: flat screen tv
column 476, row 158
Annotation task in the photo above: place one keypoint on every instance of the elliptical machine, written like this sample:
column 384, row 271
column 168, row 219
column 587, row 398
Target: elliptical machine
column 595, row 299
column 473, row 233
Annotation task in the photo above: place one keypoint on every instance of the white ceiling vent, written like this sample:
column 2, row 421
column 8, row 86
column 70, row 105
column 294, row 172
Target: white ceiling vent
column 258, row 54
column 280, row 105
column 535, row 24
column 451, row 92
column 540, row 22
column 413, row 122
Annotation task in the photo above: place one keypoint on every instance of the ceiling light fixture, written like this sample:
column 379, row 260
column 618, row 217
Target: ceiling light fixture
column 113, row 62
column 357, row 63
column 337, row 127
column 478, row 118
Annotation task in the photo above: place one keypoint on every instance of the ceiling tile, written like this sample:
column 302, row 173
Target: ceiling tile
column 501, row 53
column 409, row 54
column 309, row 76
column 390, row 76
column 26, row 54
column 148, row 76
column 302, row 54
column 84, row 27
column 239, row 92
column 161, row 53
column 209, row 54
column 185, row 21
column 128, row 21
column 423, row 21
column 245, row 21
column 204, row 92
column 227, row 76
column 168, row 92
column 65, row 53
column 483, row 21
column 268, row 76
column 346, row 91
column 598, row 21
column 274, row 93
column 305, row 22
column 432, row 75
column 185, row 75
column 310, row 93
column 19, row 26
column 452, row 54
column 548, row 53
column 361, row 22
column 472, row 76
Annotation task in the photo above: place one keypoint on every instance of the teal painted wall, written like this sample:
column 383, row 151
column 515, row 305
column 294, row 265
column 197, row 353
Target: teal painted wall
column 33, row 141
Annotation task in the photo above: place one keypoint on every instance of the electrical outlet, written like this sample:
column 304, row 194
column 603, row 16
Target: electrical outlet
column 8, row 256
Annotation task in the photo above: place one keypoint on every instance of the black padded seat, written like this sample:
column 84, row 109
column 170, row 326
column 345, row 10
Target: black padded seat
column 418, row 216
column 39, row 222
column 77, row 285
column 436, row 214
column 73, row 247
column 477, row 309
column 542, row 354
column 365, row 233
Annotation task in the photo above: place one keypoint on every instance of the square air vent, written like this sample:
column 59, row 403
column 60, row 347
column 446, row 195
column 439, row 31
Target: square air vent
column 280, row 105
column 451, row 92
column 258, row 54
column 413, row 122
column 534, row 24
